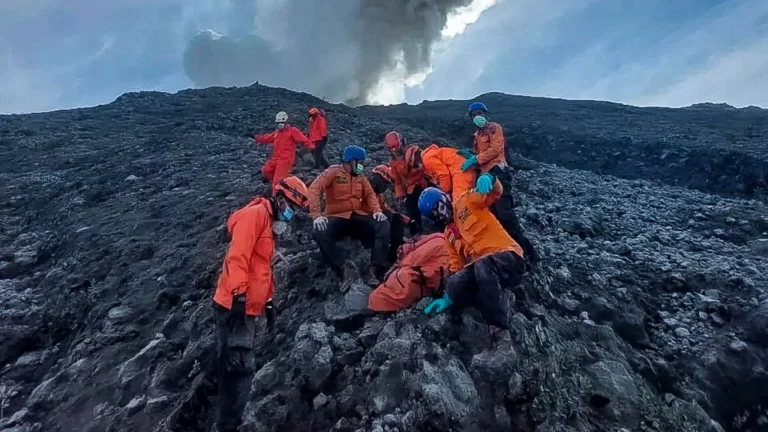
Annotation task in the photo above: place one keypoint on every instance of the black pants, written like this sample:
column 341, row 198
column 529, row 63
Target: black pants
column 396, row 233
column 504, row 210
column 235, row 363
column 374, row 235
column 412, row 207
column 320, row 160
column 481, row 284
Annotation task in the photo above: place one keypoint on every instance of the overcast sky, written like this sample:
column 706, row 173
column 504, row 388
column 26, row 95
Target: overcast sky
column 70, row 53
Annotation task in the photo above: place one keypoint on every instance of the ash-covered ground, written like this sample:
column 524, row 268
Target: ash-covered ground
column 647, row 312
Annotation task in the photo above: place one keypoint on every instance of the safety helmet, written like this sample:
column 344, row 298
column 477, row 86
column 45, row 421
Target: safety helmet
column 412, row 156
column 281, row 117
column 314, row 111
column 384, row 172
column 354, row 152
column 477, row 106
column 428, row 199
column 294, row 190
column 393, row 141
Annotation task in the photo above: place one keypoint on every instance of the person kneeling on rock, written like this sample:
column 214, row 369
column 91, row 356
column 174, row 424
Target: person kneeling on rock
column 381, row 179
column 484, row 258
column 244, row 291
column 351, row 210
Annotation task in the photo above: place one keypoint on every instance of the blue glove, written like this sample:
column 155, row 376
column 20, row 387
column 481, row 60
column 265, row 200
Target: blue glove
column 438, row 305
column 468, row 163
column 484, row 183
column 465, row 152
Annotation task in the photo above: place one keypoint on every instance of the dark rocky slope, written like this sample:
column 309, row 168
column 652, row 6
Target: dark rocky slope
column 648, row 312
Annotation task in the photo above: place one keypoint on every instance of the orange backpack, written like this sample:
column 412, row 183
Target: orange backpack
column 420, row 270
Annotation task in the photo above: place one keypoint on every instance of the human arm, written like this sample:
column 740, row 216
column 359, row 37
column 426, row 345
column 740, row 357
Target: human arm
column 245, row 234
column 439, row 172
column 317, row 188
column 477, row 200
column 298, row 136
column 265, row 139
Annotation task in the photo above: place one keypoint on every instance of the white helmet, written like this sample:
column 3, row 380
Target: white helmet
column 281, row 117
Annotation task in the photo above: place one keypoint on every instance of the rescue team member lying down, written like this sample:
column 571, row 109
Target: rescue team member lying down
column 420, row 270
column 244, row 291
column 483, row 257
column 351, row 210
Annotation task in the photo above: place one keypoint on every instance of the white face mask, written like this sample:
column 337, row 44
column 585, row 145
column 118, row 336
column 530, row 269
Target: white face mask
column 280, row 125
column 281, row 228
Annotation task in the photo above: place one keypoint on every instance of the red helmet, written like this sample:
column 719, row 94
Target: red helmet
column 313, row 111
column 393, row 141
column 384, row 172
column 294, row 190
column 412, row 156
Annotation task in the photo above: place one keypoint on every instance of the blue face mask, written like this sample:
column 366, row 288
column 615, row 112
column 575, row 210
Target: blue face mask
column 479, row 121
column 287, row 214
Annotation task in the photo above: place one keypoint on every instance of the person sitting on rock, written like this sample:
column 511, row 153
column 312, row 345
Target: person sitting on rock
column 489, row 158
column 408, row 182
column 483, row 257
column 351, row 210
column 442, row 167
column 420, row 271
column 283, row 141
column 380, row 180
column 244, row 291
column 318, row 134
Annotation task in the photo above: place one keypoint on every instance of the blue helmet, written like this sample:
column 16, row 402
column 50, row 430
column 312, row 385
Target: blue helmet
column 477, row 106
column 428, row 199
column 354, row 153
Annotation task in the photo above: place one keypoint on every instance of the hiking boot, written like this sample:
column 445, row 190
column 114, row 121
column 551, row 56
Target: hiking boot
column 371, row 279
column 350, row 275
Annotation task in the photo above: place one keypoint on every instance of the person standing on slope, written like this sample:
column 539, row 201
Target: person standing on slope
column 408, row 182
column 318, row 134
column 283, row 141
column 244, row 291
column 490, row 161
column 483, row 257
column 351, row 210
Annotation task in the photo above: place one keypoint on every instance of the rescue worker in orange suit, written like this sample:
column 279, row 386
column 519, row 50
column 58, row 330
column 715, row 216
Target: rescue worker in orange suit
column 283, row 141
column 351, row 210
column 442, row 167
column 408, row 182
column 244, row 291
column 381, row 179
column 489, row 157
column 318, row 134
column 420, row 271
column 483, row 257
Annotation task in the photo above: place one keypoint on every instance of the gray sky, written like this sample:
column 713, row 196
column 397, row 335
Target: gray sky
column 69, row 53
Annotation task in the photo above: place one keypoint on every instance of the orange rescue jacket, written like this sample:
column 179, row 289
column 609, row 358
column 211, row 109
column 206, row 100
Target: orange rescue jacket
column 405, row 180
column 284, row 142
column 318, row 128
column 344, row 194
column 443, row 166
column 421, row 267
column 489, row 146
column 475, row 231
column 248, row 264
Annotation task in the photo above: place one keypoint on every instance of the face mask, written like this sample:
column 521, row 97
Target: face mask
column 479, row 121
column 280, row 125
column 288, row 214
column 358, row 169
column 280, row 228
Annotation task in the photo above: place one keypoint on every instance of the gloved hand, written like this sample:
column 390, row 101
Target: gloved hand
column 320, row 223
column 237, row 311
column 465, row 152
column 468, row 163
column 269, row 314
column 439, row 305
column 379, row 217
column 484, row 183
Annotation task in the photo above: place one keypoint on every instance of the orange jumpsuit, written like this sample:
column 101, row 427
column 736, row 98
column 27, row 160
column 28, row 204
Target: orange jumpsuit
column 443, row 166
column 248, row 264
column 489, row 146
column 283, row 155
